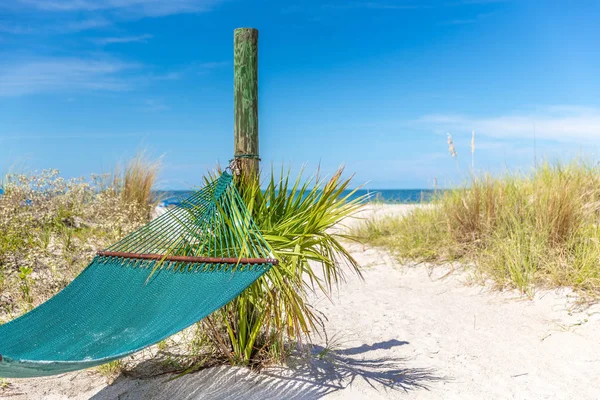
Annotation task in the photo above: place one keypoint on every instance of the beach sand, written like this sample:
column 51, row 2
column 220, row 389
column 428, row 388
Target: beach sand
column 404, row 332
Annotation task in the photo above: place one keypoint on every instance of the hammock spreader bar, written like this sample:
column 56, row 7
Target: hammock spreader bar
column 203, row 260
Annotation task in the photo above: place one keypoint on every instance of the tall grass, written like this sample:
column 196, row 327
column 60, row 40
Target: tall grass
column 137, row 180
column 522, row 230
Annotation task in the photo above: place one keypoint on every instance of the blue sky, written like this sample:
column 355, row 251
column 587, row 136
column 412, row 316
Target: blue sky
column 374, row 85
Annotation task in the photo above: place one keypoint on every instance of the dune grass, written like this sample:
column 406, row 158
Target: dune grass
column 521, row 230
column 137, row 180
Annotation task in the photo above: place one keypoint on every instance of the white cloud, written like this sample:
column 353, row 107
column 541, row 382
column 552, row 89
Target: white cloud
column 169, row 76
column 92, row 72
column 153, row 105
column 140, row 8
column 123, row 39
column 405, row 5
column 83, row 25
column 63, row 74
column 563, row 123
column 476, row 2
column 64, row 27
column 86, row 136
column 461, row 21
column 206, row 67
column 16, row 30
column 374, row 5
column 466, row 21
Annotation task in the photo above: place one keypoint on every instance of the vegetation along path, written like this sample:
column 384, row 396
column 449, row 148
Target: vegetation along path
column 407, row 332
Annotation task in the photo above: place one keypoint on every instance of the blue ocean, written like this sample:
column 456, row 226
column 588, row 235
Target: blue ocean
column 389, row 196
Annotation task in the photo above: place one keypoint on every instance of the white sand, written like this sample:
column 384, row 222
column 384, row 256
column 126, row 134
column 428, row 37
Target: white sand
column 404, row 333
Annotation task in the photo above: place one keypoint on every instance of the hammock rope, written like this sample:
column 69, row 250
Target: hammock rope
column 156, row 281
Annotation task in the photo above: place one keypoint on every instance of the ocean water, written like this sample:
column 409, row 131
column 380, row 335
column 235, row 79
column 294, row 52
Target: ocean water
column 389, row 196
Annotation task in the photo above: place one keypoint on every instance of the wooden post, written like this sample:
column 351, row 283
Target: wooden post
column 245, row 100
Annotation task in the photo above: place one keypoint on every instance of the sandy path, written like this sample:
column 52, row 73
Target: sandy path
column 400, row 333
column 463, row 342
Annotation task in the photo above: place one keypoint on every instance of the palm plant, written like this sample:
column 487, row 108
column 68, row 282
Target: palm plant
column 296, row 218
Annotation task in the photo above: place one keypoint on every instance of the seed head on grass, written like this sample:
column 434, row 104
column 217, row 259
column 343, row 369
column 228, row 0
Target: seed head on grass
column 451, row 148
column 473, row 150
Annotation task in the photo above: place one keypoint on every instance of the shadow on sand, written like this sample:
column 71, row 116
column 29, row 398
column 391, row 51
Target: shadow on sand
column 308, row 376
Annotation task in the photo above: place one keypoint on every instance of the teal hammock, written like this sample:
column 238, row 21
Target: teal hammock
column 158, row 280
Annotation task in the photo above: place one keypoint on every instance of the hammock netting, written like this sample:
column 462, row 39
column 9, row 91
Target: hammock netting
column 153, row 283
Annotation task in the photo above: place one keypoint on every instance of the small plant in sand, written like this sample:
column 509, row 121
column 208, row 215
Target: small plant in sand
column 24, row 276
column 111, row 370
column 4, row 384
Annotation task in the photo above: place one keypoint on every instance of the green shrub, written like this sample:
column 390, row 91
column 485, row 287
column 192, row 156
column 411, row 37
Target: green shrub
column 50, row 228
column 296, row 219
